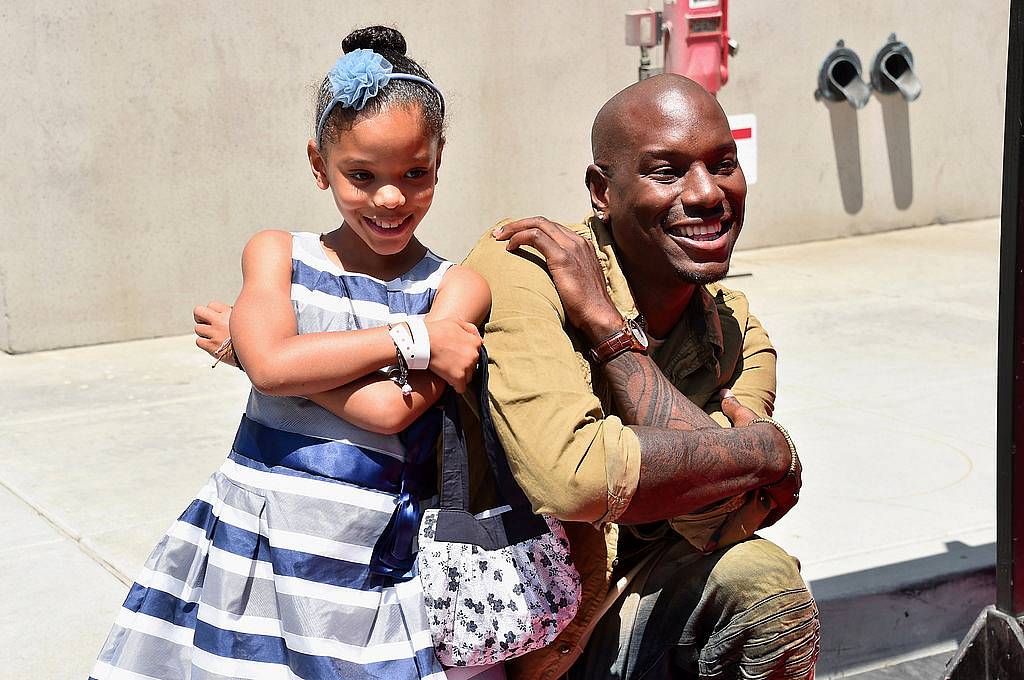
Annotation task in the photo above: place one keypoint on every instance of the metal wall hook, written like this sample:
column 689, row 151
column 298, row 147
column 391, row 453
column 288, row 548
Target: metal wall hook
column 839, row 78
column 893, row 70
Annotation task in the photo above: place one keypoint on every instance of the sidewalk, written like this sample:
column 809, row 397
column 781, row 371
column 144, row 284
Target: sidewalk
column 887, row 356
column 886, row 380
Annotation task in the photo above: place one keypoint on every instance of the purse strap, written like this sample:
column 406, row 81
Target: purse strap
column 455, row 461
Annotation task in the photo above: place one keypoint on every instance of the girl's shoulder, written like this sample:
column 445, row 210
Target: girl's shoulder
column 269, row 243
column 269, row 239
column 464, row 294
column 266, row 258
column 460, row 276
column 289, row 245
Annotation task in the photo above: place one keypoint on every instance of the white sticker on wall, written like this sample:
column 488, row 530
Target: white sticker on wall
column 744, row 131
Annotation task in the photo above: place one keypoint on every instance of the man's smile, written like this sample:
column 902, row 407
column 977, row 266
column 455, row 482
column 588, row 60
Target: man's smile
column 704, row 236
column 700, row 230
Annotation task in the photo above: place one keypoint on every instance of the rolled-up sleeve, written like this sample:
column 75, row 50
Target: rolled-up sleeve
column 572, row 460
column 755, row 384
column 754, row 380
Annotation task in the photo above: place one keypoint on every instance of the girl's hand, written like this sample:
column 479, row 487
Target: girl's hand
column 454, row 350
column 212, row 329
column 463, row 301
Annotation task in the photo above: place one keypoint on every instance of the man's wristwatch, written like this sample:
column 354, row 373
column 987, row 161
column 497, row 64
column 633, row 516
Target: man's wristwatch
column 630, row 338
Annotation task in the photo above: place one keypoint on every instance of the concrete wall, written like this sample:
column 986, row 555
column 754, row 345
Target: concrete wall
column 144, row 144
column 826, row 170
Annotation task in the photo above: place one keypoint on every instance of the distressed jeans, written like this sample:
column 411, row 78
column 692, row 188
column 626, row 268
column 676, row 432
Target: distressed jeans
column 740, row 612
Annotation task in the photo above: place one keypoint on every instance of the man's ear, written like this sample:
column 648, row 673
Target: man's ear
column 597, row 183
column 317, row 165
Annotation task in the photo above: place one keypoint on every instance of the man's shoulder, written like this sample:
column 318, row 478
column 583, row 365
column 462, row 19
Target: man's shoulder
column 729, row 300
column 490, row 258
column 731, row 303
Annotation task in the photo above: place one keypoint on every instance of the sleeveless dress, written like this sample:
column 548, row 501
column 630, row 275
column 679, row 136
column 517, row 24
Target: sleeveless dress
column 295, row 560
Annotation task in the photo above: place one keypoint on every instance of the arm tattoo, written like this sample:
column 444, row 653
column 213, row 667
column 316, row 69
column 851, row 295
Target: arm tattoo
column 703, row 455
column 688, row 461
column 644, row 396
column 683, row 471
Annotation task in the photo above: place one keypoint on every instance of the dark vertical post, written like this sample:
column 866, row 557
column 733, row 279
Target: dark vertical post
column 1010, row 382
column 994, row 647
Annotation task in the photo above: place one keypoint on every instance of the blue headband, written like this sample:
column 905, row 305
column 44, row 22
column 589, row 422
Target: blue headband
column 357, row 77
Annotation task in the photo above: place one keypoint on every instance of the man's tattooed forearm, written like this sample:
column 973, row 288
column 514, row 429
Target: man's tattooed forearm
column 684, row 471
column 644, row 396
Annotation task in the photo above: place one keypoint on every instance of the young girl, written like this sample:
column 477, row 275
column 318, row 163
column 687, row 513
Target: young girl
column 296, row 559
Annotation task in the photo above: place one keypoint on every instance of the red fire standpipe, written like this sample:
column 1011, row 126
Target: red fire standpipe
column 695, row 38
column 696, row 35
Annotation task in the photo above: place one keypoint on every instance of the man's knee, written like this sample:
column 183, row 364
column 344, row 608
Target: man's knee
column 753, row 570
column 768, row 619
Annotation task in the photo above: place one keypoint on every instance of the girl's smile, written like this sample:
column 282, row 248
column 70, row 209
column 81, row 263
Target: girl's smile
column 394, row 227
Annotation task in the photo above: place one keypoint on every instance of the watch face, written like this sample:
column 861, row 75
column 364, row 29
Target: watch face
column 638, row 332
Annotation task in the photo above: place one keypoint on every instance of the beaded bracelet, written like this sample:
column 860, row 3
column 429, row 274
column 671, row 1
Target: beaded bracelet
column 794, row 460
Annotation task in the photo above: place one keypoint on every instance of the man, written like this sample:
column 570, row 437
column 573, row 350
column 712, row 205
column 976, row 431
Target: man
column 625, row 443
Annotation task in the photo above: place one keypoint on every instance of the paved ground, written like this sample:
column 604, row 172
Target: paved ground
column 927, row 668
column 887, row 377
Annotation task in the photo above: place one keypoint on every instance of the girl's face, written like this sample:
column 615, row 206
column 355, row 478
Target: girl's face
column 382, row 174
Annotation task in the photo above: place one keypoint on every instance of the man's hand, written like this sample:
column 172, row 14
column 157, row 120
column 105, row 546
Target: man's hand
column 786, row 494
column 575, row 271
column 212, row 329
column 738, row 414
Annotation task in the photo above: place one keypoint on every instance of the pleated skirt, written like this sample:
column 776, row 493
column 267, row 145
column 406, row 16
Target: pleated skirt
column 265, row 575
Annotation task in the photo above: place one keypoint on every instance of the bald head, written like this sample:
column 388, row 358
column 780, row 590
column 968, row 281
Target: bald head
column 667, row 182
column 640, row 106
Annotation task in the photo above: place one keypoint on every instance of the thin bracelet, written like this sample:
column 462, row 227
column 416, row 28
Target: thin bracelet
column 223, row 351
column 226, row 352
column 794, row 460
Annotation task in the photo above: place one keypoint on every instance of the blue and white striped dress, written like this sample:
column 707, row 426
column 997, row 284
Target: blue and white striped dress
column 268, row 572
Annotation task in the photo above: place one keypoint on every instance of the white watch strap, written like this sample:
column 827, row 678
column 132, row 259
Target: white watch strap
column 419, row 358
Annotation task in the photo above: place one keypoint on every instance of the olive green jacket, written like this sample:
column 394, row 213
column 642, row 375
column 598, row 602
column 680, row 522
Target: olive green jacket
column 571, row 454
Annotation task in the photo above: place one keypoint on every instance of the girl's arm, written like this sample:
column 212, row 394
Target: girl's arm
column 377, row 404
column 263, row 332
column 463, row 294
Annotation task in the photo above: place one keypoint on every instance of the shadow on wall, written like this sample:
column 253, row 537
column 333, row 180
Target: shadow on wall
column 846, row 143
column 896, row 119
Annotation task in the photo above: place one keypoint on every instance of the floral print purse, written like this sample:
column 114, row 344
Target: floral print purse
column 498, row 584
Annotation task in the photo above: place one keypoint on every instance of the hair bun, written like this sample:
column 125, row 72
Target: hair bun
column 376, row 38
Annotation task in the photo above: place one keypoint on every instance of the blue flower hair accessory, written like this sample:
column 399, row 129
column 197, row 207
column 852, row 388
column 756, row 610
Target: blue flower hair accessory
column 358, row 77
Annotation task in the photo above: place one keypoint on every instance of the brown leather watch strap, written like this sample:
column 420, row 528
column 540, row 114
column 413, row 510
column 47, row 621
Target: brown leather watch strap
column 622, row 341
